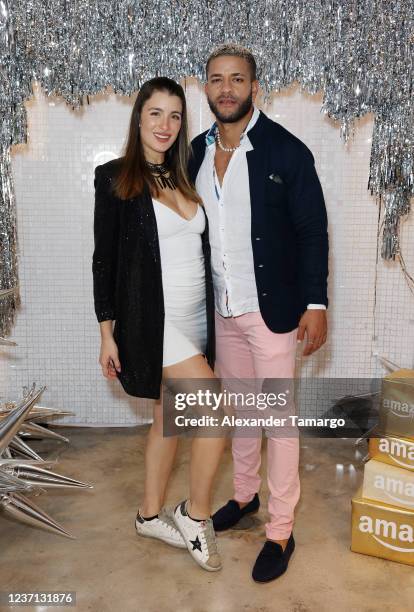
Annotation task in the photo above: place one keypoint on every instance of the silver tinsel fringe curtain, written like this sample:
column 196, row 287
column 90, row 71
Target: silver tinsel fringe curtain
column 359, row 53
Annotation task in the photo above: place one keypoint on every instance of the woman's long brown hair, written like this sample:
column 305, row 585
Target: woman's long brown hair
column 134, row 174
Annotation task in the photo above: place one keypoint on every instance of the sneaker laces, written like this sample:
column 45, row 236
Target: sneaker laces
column 209, row 536
column 167, row 520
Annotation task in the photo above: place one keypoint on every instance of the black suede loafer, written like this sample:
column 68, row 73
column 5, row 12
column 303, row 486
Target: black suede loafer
column 272, row 561
column 230, row 514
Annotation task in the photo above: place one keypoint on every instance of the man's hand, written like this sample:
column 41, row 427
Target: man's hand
column 314, row 323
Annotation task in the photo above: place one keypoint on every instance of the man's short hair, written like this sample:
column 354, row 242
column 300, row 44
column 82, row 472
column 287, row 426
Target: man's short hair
column 235, row 51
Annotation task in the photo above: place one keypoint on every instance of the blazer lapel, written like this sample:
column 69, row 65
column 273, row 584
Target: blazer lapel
column 141, row 220
column 257, row 160
column 146, row 214
column 256, row 163
column 198, row 151
column 149, row 224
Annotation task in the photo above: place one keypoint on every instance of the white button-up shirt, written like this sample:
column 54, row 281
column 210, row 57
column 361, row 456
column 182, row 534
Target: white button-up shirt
column 228, row 209
column 229, row 217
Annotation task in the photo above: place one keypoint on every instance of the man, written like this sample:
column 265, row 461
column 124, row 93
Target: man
column 269, row 249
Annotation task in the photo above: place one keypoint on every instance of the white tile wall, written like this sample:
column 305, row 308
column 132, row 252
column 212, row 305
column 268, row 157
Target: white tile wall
column 56, row 329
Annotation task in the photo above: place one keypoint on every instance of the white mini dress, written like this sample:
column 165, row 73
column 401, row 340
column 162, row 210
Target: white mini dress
column 183, row 281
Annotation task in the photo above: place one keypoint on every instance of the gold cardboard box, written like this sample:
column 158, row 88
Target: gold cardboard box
column 388, row 484
column 381, row 530
column 398, row 452
column 396, row 413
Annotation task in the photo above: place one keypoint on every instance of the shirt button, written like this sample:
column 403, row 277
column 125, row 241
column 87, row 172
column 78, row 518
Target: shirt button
column 264, row 294
column 257, row 238
column 260, row 266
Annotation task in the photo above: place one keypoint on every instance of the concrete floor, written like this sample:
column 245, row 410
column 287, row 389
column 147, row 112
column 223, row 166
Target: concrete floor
column 111, row 569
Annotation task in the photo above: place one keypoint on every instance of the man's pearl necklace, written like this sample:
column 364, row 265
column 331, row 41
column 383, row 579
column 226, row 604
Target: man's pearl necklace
column 222, row 147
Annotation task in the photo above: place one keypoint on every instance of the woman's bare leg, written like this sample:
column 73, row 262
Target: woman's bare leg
column 206, row 452
column 159, row 460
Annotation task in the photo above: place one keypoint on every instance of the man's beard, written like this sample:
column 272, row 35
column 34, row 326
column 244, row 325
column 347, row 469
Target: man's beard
column 238, row 114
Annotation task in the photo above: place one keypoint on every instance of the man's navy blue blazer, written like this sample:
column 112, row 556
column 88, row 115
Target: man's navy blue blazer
column 289, row 228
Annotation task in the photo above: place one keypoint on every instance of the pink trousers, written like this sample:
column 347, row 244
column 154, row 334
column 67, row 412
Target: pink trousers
column 246, row 348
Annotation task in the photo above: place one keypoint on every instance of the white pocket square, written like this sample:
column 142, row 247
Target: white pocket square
column 276, row 178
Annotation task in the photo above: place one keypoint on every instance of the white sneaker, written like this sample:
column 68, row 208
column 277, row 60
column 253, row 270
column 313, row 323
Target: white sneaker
column 162, row 528
column 199, row 537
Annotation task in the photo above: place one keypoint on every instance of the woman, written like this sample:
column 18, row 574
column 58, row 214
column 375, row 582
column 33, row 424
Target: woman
column 152, row 276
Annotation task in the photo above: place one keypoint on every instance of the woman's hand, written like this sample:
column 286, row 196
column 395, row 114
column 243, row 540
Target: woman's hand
column 108, row 358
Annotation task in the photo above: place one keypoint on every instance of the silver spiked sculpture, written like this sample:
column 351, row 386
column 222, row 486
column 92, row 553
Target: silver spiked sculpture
column 34, row 430
column 20, row 507
column 37, row 412
column 18, row 475
column 7, row 461
column 9, row 482
column 37, row 476
column 18, row 445
column 10, row 425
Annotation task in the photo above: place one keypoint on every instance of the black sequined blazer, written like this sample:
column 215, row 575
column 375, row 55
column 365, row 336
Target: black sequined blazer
column 127, row 283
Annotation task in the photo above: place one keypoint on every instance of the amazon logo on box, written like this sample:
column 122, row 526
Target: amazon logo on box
column 382, row 530
column 394, row 451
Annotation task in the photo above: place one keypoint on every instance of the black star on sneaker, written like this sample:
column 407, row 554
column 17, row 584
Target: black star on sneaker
column 272, row 561
column 196, row 544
